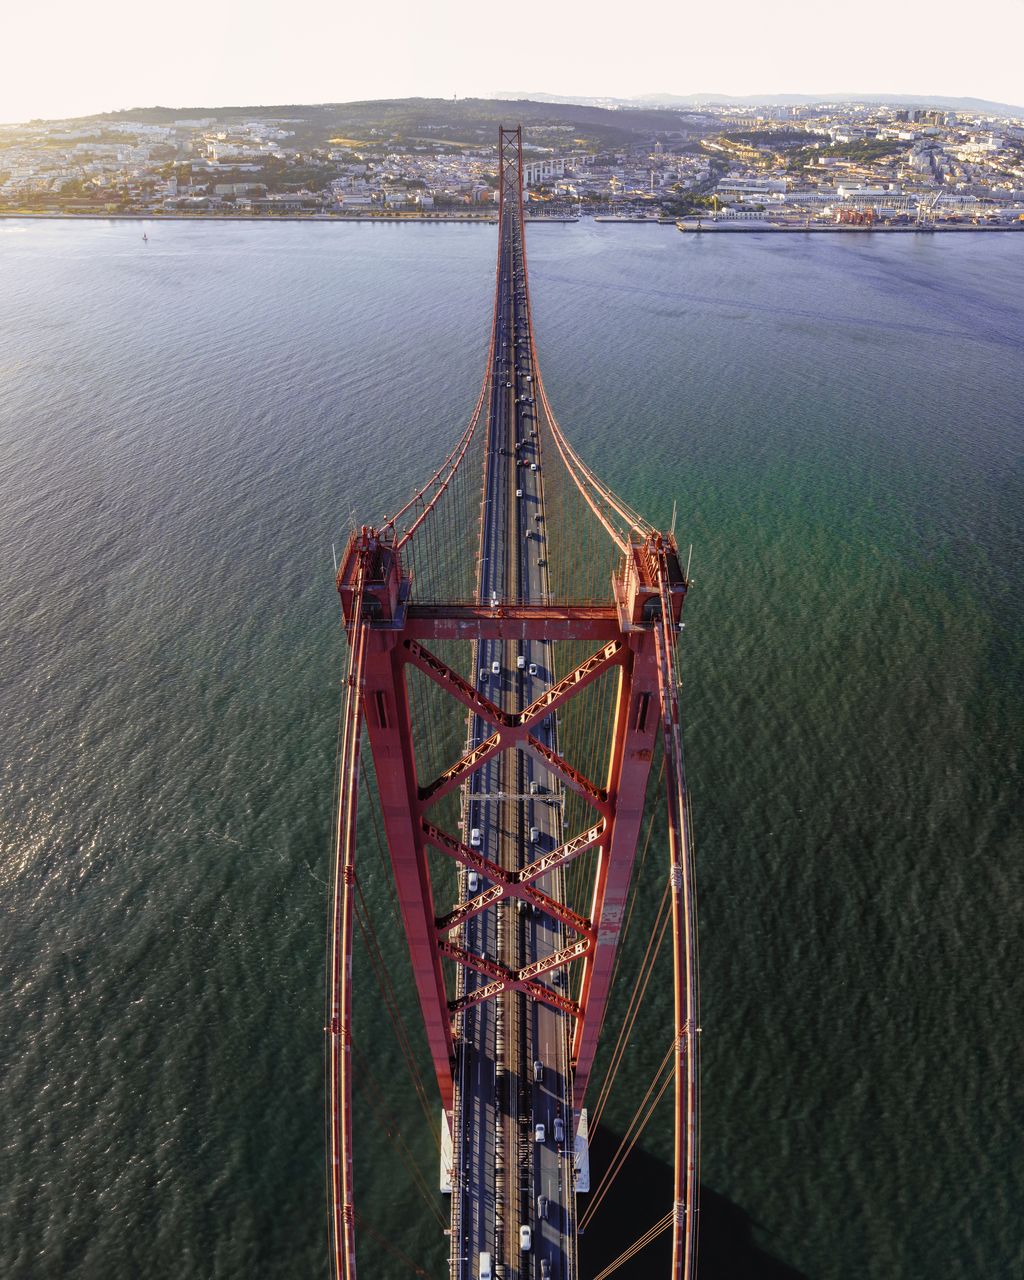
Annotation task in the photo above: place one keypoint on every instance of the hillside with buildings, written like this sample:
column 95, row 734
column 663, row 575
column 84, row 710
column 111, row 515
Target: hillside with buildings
column 435, row 157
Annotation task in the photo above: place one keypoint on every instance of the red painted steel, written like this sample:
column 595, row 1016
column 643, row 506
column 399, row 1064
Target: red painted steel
column 635, row 633
column 635, row 732
column 512, row 884
column 513, row 622
column 620, row 802
column 390, row 732
column 341, row 1205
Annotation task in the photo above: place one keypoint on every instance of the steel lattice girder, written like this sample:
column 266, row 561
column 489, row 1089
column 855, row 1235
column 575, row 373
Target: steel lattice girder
column 618, row 804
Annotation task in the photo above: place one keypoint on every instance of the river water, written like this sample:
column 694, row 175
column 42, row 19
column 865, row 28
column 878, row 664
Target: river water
column 185, row 427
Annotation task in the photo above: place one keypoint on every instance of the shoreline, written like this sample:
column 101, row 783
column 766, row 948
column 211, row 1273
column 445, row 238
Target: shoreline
column 474, row 219
column 692, row 226
column 732, row 227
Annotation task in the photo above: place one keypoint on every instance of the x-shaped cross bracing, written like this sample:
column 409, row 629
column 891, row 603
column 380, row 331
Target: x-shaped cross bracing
column 513, row 727
column 505, row 979
column 513, row 884
column 512, row 730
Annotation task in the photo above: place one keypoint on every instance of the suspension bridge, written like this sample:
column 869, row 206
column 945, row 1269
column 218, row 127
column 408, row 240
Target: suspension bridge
column 512, row 669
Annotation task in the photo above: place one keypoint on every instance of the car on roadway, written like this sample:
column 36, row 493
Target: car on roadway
column 538, row 1131
column 542, row 1208
column 520, row 662
column 495, row 668
column 532, row 668
column 473, row 882
column 474, row 837
column 538, row 1070
column 525, row 1238
column 559, row 1130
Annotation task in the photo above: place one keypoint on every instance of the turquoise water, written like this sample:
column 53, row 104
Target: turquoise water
column 187, row 425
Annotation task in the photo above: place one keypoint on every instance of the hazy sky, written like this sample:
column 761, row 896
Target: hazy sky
column 70, row 59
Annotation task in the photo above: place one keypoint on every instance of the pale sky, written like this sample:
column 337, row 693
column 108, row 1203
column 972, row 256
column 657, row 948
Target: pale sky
column 63, row 58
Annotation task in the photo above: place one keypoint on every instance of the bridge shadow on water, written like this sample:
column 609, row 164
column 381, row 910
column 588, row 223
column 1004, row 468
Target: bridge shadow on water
column 640, row 1195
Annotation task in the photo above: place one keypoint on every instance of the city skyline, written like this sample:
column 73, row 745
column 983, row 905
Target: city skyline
column 853, row 165
column 116, row 56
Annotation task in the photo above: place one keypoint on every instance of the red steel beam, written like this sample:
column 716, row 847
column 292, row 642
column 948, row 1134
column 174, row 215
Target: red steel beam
column 452, row 683
column 467, row 910
column 469, row 857
column 613, row 653
column 599, row 623
column 464, row 853
column 597, row 796
column 636, row 725
column 386, row 704
column 481, row 901
column 514, row 978
column 455, row 775
column 503, row 979
column 535, row 990
column 511, row 884
column 552, row 907
column 563, row 854
column 586, row 673
column 492, row 969
column 556, row 959
column 515, row 736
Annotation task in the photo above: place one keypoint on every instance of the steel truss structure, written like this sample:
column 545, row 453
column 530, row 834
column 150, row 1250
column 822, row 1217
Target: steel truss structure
column 633, row 637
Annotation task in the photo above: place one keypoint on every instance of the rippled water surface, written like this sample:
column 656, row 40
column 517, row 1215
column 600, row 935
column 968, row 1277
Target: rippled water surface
column 187, row 425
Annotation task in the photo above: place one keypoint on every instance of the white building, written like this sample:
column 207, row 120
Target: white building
column 536, row 172
column 758, row 190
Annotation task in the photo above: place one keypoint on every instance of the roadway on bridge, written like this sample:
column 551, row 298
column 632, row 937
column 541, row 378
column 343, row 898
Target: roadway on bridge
column 512, row 1074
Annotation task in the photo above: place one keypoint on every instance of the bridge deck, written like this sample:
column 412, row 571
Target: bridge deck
column 511, row 1046
column 504, row 1175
